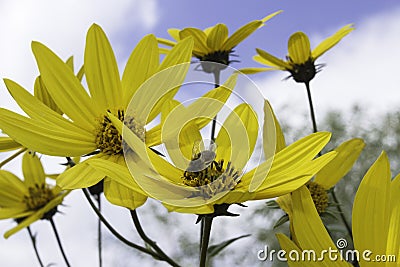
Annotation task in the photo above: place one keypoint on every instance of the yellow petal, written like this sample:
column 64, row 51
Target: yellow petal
column 283, row 181
column 81, row 175
column 273, row 138
column 40, row 136
column 290, row 158
column 165, row 42
column 65, row 88
column 122, row 196
column 267, row 59
column 237, row 138
column 217, row 36
column 12, row 189
column 40, row 91
column 142, row 64
column 33, row 170
column 199, row 37
column 393, row 241
column 101, row 70
column 204, row 209
column 348, row 153
column 174, row 33
column 249, row 71
column 244, row 31
column 310, row 231
column 14, row 212
column 165, row 84
column 39, row 111
column 7, row 143
column 331, row 41
column 371, row 212
column 291, row 252
column 299, row 48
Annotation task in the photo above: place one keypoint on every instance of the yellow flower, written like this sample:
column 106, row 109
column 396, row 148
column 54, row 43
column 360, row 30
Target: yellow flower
column 300, row 60
column 85, row 127
column 347, row 154
column 213, row 43
column 376, row 221
column 208, row 179
column 29, row 200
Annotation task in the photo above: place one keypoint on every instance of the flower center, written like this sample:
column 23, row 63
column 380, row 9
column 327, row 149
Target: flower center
column 221, row 57
column 319, row 196
column 303, row 73
column 108, row 139
column 38, row 196
column 210, row 177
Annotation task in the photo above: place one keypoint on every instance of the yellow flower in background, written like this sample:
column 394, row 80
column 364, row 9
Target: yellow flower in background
column 300, row 61
column 31, row 199
column 209, row 179
column 376, row 222
column 213, row 43
column 85, row 127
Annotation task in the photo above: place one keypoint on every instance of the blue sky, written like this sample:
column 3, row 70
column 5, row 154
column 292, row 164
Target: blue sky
column 362, row 68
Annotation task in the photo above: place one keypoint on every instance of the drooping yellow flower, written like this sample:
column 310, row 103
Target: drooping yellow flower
column 213, row 43
column 85, row 128
column 209, row 179
column 376, row 222
column 31, row 199
column 300, row 61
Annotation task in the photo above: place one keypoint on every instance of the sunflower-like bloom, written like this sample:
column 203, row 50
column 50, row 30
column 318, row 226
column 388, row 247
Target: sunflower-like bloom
column 31, row 199
column 213, row 43
column 206, row 180
column 300, row 61
column 347, row 154
column 375, row 222
column 85, row 127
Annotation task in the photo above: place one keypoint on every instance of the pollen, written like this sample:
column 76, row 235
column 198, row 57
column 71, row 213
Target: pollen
column 38, row 196
column 108, row 139
column 319, row 196
column 213, row 179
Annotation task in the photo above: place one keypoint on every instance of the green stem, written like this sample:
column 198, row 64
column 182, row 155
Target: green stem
column 33, row 239
column 112, row 230
column 13, row 156
column 314, row 122
column 148, row 241
column 99, row 240
column 217, row 75
column 206, row 240
column 53, row 225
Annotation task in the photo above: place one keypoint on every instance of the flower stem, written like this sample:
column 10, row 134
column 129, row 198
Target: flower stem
column 205, row 240
column 99, row 241
column 53, row 225
column 33, row 238
column 333, row 191
column 148, row 241
column 314, row 122
column 217, row 74
column 13, row 156
column 112, row 230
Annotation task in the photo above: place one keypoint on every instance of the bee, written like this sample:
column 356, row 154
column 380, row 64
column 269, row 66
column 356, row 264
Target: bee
column 202, row 159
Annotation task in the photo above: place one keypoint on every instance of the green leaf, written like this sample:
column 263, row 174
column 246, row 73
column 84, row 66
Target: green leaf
column 282, row 220
column 215, row 249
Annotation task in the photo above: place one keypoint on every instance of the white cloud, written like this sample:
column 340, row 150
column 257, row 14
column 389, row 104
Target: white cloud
column 362, row 68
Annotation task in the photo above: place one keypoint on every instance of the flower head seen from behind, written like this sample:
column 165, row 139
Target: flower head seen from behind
column 300, row 61
column 213, row 43
column 31, row 199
